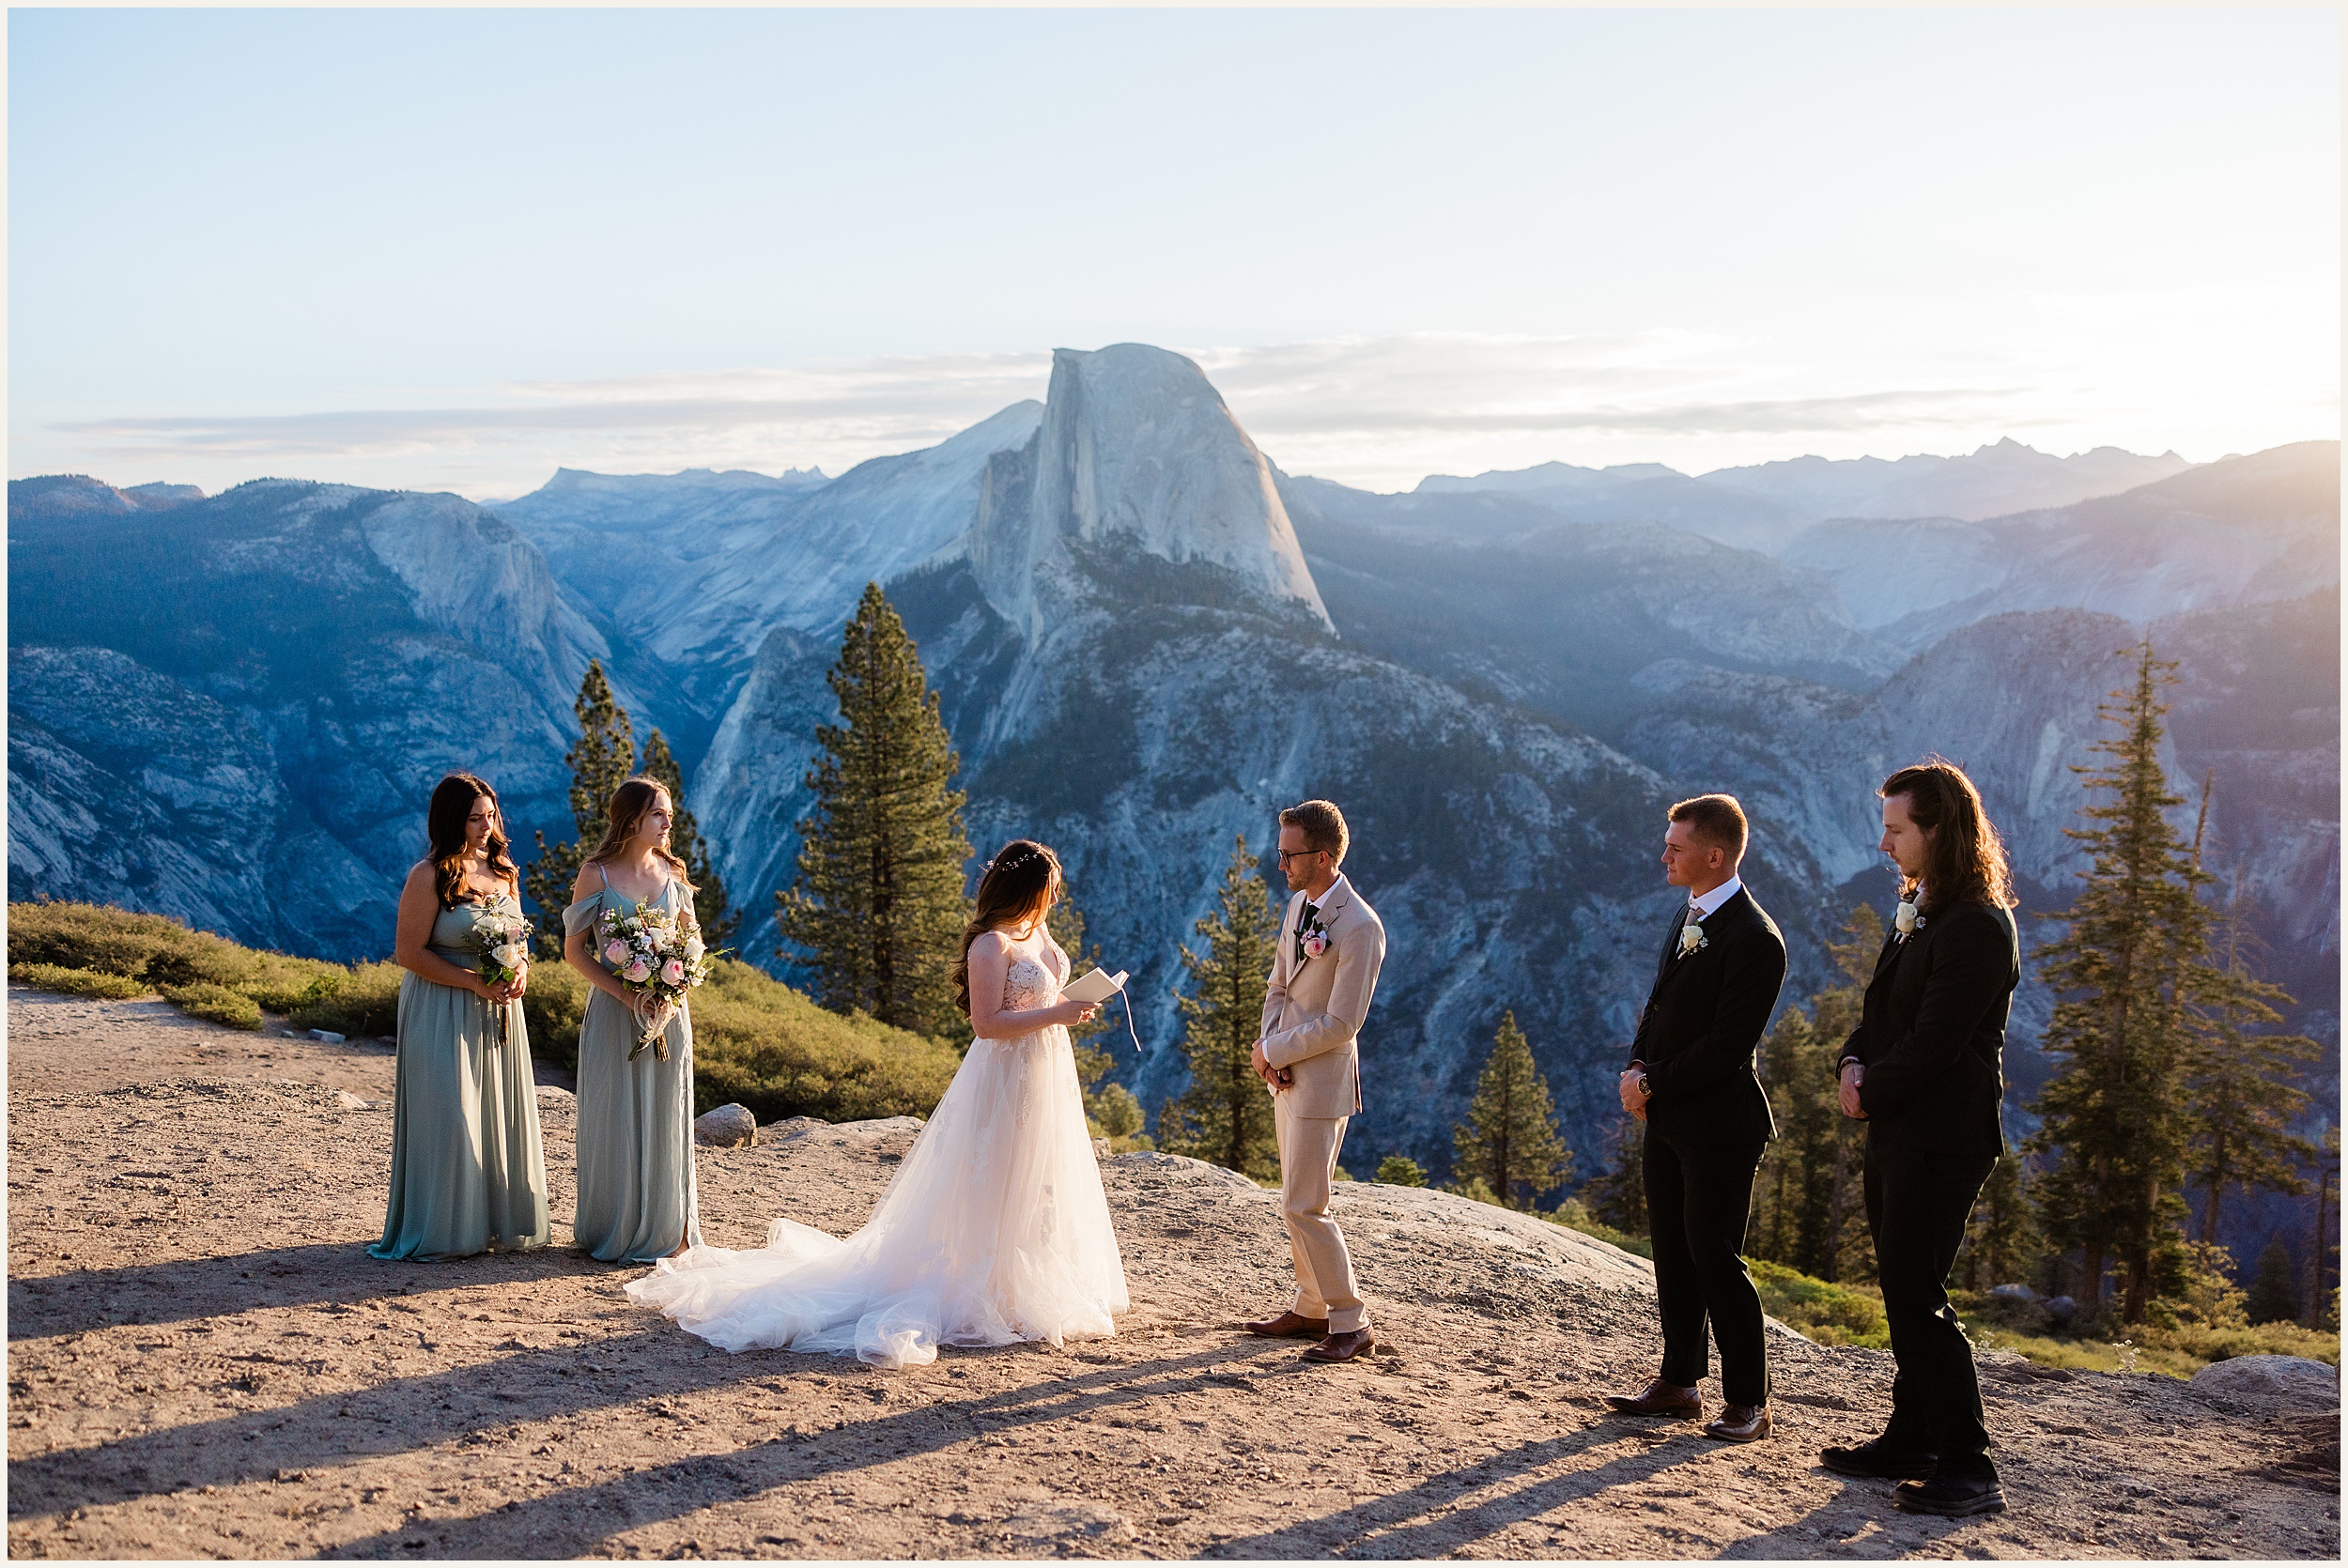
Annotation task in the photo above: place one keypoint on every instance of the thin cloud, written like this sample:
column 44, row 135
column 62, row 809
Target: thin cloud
column 1373, row 411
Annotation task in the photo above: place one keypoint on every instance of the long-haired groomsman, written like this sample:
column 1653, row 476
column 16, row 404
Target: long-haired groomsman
column 1692, row 1079
column 1923, row 1069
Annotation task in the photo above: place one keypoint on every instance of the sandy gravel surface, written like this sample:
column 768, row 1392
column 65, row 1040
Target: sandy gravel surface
column 203, row 1362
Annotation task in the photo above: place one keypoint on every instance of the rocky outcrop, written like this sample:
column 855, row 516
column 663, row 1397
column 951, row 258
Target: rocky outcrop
column 1138, row 454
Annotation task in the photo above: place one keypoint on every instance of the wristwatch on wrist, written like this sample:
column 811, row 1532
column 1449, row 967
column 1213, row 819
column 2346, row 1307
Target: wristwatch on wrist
column 1647, row 1085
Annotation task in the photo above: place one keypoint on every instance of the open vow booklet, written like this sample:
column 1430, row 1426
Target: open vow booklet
column 1095, row 985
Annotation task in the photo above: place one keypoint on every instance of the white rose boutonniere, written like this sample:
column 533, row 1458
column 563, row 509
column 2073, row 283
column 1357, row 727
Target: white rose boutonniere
column 1906, row 920
column 1316, row 940
column 1691, row 939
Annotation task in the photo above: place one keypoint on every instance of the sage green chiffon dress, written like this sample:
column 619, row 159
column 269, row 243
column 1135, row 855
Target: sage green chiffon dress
column 469, row 1173
column 636, row 1194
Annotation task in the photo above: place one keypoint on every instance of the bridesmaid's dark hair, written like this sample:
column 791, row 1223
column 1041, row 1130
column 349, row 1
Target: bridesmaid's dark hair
column 624, row 813
column 445, row 826
column 1014, row 889
column 1966, row 862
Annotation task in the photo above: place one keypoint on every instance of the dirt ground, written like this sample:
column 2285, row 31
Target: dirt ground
column 204, row 1362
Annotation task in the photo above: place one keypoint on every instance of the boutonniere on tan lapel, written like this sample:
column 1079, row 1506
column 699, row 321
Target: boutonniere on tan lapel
column 1906, row 920
column 1691, row 939
column 1315, row 940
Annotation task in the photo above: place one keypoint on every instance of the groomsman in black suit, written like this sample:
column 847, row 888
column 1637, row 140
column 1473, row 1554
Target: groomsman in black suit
column 1924, row 1070
column 1692, row 1079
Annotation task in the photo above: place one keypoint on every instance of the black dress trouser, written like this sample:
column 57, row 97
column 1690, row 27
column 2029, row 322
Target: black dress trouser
column 1918, row 1204
column 1699, row 1194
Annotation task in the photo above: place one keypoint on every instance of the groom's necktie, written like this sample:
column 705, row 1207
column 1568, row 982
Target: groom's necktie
column 1304, row 924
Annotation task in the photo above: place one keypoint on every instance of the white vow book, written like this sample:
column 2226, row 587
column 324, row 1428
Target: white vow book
column 1095, row 985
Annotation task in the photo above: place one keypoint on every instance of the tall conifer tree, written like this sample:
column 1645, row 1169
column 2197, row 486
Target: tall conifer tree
column 2126, row 973
column 2241, row 1085
column 1509, row 1141
column 2001, row 1237
column 878, row 907
column 1618, row 1197
column 1224, row 1116
column 601, row 762
column 1110, row 1107
column 717, row 922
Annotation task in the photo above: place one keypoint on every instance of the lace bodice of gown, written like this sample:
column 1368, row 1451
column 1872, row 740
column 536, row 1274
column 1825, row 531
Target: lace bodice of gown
column 1033, row 980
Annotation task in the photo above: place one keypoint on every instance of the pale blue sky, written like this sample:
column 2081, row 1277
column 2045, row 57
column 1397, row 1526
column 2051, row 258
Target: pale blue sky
column 454, row 249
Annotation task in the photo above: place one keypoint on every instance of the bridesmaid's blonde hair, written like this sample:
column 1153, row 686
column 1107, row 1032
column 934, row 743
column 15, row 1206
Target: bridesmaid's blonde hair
column 624, row 813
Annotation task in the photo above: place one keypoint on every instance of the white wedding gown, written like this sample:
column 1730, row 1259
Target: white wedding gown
column 995, row 1230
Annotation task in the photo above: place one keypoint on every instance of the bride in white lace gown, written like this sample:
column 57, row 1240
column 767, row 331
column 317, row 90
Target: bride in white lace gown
column 995, row 1228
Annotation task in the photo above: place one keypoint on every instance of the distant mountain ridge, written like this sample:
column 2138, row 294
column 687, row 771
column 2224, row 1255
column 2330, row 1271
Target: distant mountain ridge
column 1764, row 504
column 1145, row 639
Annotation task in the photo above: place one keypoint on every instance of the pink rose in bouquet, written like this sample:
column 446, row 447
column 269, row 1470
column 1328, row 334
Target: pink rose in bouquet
column 657, row 956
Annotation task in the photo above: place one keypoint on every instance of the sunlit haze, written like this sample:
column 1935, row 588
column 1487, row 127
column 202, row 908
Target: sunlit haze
column 448, row 248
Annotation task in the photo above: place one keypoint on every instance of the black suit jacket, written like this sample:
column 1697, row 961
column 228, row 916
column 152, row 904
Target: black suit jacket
column 1933, row 1032
column 1703, row 1021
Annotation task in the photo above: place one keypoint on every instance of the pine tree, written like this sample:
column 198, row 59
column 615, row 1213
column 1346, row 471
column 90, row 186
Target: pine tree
column 1808, row 1213
column 601, row 762
column 717, row 922
column 2275, row 1288
column 1224, row 1116
column 2127, row 974
column 2241, row 1096
column 2001, row 1237
column 878, row 906
column 1510, row 1140
column 1110, row 1108
column 1618, row 1198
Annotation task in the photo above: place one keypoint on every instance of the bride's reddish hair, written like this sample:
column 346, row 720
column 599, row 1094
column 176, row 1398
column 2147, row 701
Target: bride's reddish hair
column 1014, row 889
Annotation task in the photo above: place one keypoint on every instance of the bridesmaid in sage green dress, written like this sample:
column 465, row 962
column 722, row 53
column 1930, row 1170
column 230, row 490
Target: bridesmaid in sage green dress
column 469, row 1173
column 636, row 1202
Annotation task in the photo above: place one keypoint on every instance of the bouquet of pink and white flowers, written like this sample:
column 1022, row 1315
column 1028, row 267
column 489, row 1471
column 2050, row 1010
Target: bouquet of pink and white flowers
column 657, row 956
column 500, row 939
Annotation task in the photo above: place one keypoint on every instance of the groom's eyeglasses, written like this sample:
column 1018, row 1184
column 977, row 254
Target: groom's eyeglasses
column 1287, row 855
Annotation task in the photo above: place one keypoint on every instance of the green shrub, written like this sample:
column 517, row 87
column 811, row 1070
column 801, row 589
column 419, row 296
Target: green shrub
column 1821, row 1310
column 759, row 1042
column 553, row 1005
column 80, row 982
column 362, row 1002
column 1400, row 1170
column 204, row 999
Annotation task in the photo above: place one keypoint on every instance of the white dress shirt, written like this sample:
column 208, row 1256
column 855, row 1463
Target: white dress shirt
column 1718, row 896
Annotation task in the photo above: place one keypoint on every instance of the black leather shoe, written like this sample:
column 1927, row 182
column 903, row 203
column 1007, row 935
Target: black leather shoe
column 1872, row 1460
column 1954, row 1497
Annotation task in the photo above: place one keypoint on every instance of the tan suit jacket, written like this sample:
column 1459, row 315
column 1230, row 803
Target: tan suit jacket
column 1314, row 1006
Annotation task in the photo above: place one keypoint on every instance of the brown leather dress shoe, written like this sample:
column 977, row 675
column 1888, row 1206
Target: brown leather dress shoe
column 1740, row 1423
column 1658, row 1398
column 1343, row 1347
column 1288, row 1326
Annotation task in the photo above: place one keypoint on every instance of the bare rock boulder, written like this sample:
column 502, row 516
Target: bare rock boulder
column 727, row 1126
column 2269, row 1383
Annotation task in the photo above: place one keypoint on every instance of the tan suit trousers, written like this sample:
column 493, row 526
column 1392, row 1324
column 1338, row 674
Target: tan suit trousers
column 1325, row 1269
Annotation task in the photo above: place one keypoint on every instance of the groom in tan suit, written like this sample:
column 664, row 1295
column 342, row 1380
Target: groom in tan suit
column 1326, row 968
